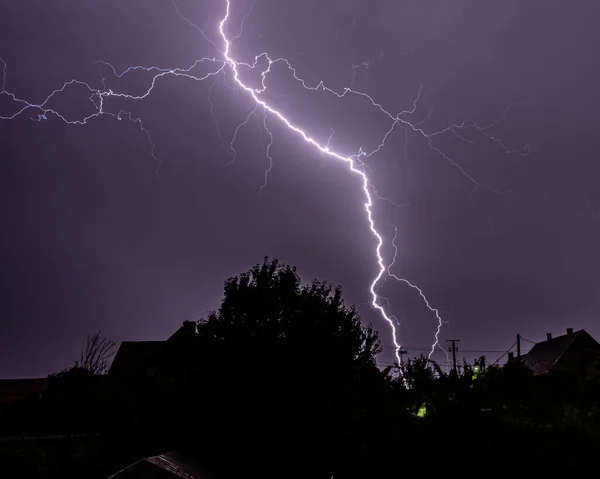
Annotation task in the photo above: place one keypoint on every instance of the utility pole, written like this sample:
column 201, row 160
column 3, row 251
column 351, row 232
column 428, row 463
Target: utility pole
column 518, row 347
column 454, row 348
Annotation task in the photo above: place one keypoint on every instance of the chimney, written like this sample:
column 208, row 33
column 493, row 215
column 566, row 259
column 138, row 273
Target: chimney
column 569, row 331
column 511, row 356
column 189, row 327
column 548, row 336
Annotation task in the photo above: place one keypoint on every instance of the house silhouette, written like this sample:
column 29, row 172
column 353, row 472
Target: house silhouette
column 143, row 358
column 575, row 353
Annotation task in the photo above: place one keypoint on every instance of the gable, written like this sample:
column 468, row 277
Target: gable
column 132, row 356
column 561, row 353
column 581, row 356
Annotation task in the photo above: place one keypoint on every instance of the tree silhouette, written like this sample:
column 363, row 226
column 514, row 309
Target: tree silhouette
column 97, row 354
column 287, row 359
column 269, row 305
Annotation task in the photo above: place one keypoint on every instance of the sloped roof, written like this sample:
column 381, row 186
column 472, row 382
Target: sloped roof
column 132, row 355
column 13, row 390
column 164, row 466
column 187, row 330
column 543, row 356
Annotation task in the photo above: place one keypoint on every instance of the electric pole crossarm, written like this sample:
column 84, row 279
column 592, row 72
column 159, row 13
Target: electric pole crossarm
column 454, row 349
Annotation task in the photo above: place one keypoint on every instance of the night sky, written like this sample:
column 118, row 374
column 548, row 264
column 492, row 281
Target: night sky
column 99, row 234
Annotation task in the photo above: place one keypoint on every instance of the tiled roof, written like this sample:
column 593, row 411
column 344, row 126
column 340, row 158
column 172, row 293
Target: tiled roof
column 13, row 390
column 132, row 355
column 544, row 355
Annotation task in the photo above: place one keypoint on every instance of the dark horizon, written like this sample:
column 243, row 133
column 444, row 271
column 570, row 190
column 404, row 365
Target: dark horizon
column 99, row 235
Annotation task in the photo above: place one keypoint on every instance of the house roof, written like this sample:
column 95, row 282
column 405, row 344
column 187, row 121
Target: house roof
column 165, row 466
column 544, row 355
column 13, row 390
column 132, row 355
column 185, row 331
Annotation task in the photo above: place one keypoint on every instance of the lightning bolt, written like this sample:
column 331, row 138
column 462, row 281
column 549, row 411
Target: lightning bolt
column 423, row 297
column 3, row 79
column 268, row 152
column 227, row 63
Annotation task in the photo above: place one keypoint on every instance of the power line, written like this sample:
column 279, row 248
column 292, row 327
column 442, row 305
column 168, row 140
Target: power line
column 497, row 361
column 528, row 340
column 408, row 348
column 505, row 353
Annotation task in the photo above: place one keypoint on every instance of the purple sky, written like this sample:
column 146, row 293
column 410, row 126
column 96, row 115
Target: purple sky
column 93, row 239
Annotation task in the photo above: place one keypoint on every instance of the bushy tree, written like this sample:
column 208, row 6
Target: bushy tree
column 288, row 359
column 269, row 317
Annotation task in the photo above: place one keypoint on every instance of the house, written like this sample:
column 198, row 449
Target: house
column 15, row 390
column 143, row 357
column 132, row 357
column 575, row 354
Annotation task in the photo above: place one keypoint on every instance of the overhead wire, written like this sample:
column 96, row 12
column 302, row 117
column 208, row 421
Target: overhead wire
column 497, row 361
column 505, row 353
column 408, row 348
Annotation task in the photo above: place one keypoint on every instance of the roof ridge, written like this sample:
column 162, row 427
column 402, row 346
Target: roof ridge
column 544, row 356
column 567, row 346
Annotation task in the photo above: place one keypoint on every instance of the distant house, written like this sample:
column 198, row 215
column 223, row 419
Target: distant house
column 575, row 353
column 141, row 358
column 15, row 390
column 132, row 358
